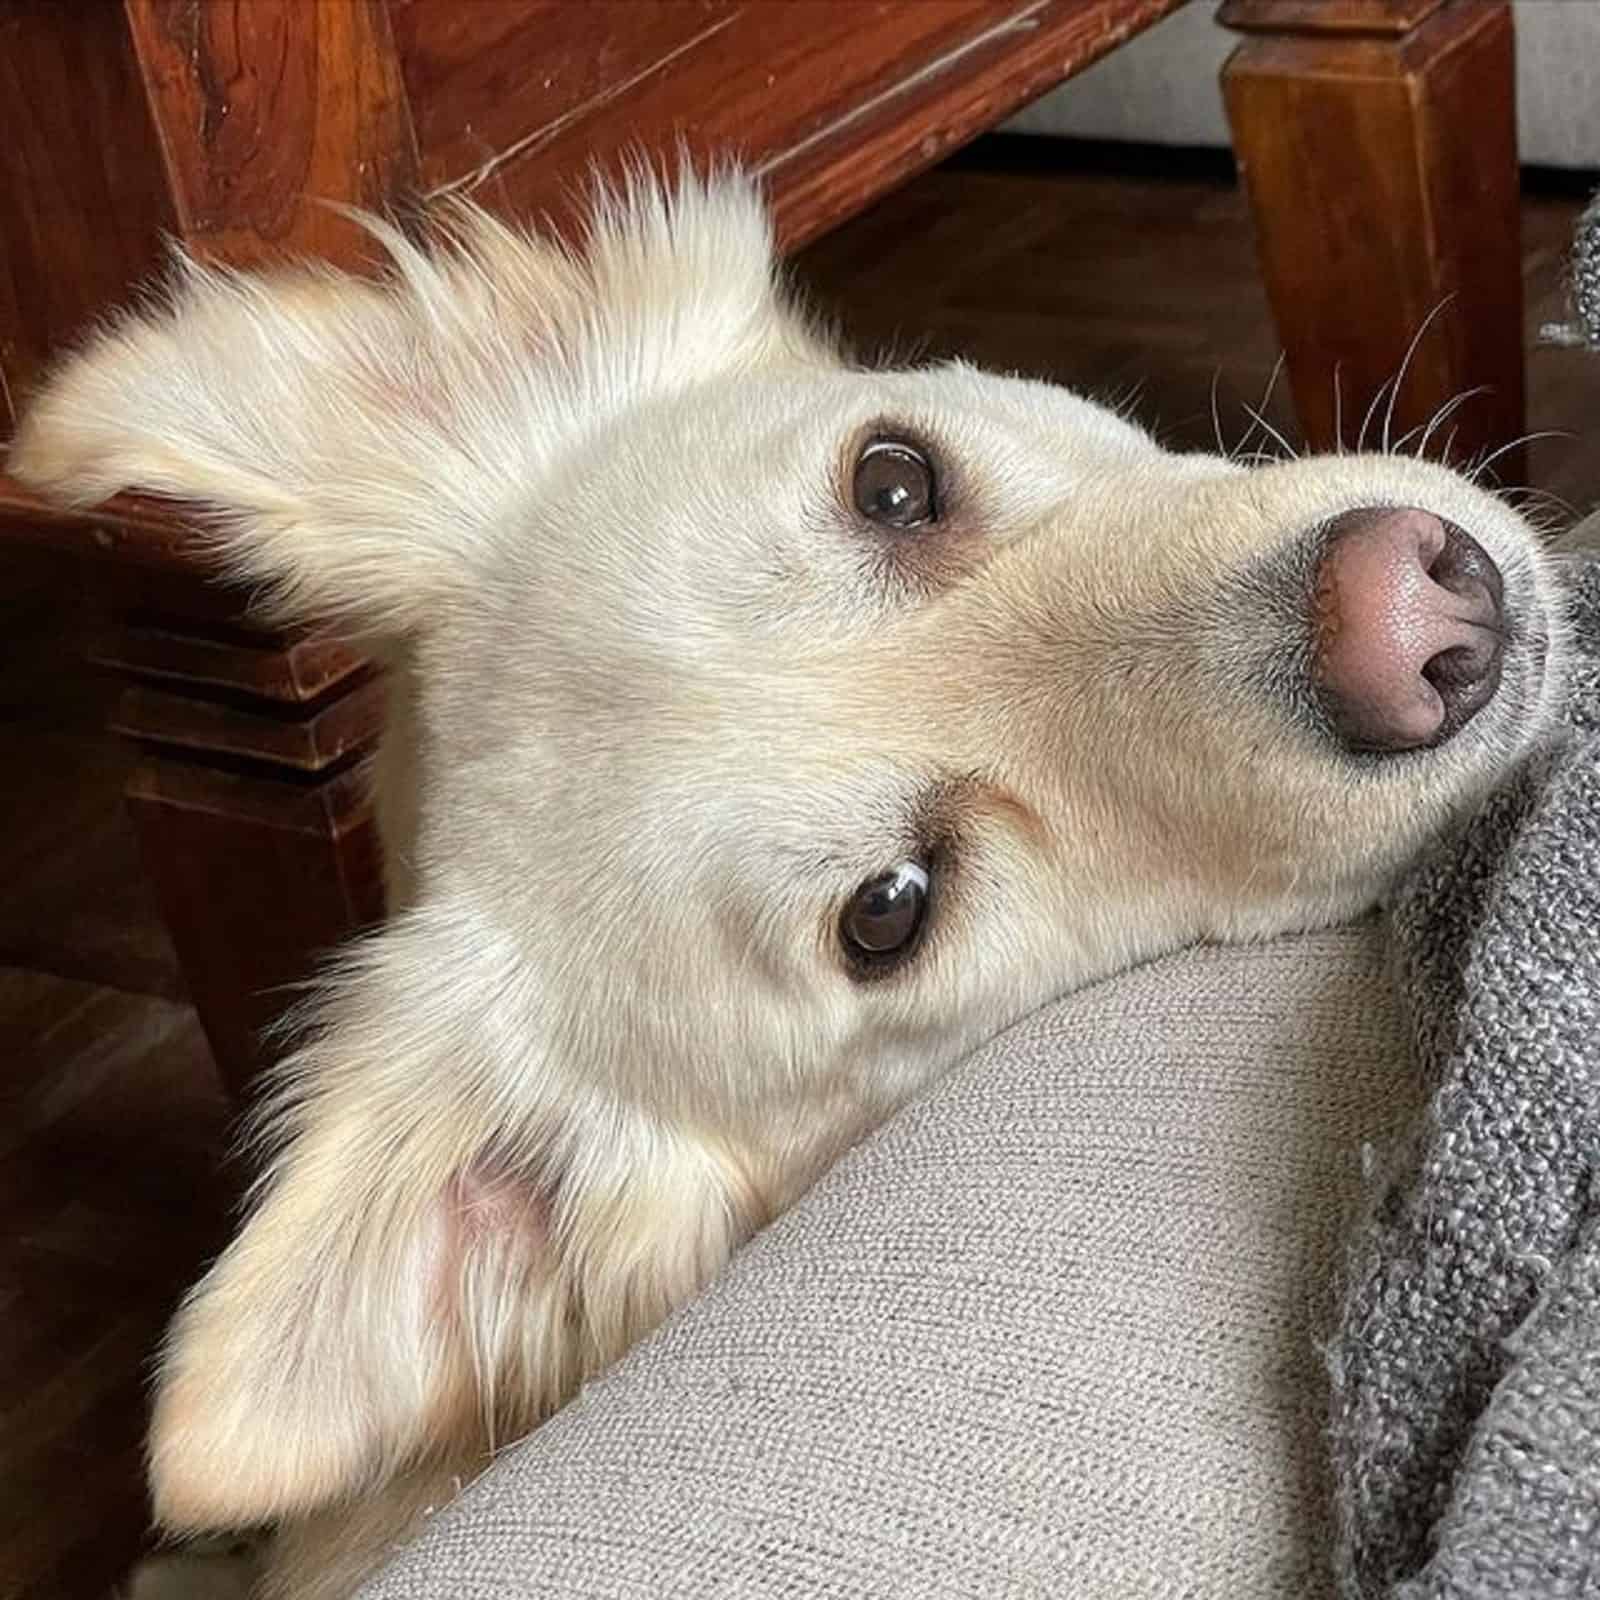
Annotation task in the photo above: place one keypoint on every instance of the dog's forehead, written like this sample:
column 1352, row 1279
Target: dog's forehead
column 1028, row 436
column 698, row 564
column 721, row 513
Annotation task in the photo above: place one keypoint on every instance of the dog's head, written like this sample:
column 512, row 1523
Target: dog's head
column 781, row 727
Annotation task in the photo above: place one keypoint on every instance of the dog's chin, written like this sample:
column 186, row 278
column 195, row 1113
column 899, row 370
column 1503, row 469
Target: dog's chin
column 1337, row 903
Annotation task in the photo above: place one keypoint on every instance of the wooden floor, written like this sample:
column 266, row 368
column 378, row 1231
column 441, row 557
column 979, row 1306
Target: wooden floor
column 111, row 1121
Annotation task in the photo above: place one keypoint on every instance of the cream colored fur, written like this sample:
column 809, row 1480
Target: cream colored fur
column 662, row 704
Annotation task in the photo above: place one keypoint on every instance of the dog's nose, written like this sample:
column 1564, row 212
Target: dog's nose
column 1410, row 628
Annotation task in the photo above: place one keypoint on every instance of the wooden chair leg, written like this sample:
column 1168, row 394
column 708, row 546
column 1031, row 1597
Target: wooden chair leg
column 251, row 804
column 1377, row 142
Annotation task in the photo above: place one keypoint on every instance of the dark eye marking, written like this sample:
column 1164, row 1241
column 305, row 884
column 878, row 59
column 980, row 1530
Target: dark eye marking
column 894, row 485
column 883, row 920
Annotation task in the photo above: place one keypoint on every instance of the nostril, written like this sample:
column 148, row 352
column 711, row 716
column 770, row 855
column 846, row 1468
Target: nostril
column 1463, row 568
column 1461, row 665
column 1408, row 617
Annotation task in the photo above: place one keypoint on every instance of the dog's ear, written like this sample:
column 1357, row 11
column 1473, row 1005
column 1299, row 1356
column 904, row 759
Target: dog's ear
column 430, row 1267
column 320, row 418
column 361, row 442
column 337, row 1337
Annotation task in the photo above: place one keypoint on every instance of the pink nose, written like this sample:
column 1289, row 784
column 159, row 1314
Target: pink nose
column 1409, row 628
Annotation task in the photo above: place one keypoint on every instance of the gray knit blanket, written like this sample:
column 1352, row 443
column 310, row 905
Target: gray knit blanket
column 1465, row 1419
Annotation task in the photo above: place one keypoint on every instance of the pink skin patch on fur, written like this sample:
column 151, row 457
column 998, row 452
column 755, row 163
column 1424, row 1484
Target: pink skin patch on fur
column 484, row 1199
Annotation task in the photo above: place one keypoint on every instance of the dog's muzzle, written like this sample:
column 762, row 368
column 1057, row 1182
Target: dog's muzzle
column 1409, row 629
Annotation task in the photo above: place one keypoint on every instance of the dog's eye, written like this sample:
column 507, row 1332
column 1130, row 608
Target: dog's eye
column 894, row 485
column 886, row 913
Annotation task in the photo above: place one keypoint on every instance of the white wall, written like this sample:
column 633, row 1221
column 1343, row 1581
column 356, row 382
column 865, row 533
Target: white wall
column 1162, row 87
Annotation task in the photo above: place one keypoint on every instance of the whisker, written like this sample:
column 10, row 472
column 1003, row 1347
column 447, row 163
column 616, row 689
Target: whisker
column 1261, row 406
column 1527, row 438
column 1338, row 411
column 1245, row 437
column 1216, row 417
column 1366, row 421
column 1121, row 398
column 1544, row 522
column 1526, row 491
column 1290, row 451
column 1272, row 382
column 1405, row 367
column 1443, row 414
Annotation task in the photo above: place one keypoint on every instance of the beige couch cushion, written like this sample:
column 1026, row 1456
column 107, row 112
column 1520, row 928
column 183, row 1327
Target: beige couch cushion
column 1052, row 1332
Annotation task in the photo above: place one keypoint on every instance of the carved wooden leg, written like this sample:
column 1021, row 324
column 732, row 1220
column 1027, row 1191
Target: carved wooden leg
column 251, row 805
column 1377, row 142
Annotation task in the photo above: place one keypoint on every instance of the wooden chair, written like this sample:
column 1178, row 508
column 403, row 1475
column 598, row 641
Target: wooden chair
column 1375, row 137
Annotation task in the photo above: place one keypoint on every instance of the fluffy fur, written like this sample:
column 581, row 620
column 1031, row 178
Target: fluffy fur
column 661, row 703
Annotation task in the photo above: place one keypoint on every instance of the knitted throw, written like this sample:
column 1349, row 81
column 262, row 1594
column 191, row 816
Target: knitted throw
column 1465, row 1417
column 1583, row 285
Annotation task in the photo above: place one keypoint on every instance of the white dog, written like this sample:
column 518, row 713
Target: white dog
column 767, row 731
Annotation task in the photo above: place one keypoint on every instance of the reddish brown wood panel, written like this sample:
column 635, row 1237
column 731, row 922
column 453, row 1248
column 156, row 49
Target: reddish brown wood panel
column 832, row 103
column 268, row 109
column 324, row 736
column 1327, row 16
column 256, row 879
column 483, row 78
column 127, row 529
column 1383, row 177
column 350, row 721
column 290, row 671
column 85, row 191
column 253, row 820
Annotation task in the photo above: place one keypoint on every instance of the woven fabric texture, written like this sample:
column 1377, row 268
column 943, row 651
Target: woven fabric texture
column 1466, row 1370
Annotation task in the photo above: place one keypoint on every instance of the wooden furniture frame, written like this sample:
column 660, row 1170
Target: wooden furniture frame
column 1377, row 141
column 1374, row 135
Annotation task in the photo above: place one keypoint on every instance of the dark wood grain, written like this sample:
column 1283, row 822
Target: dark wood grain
column 291, row 671
column 346, row 722
column 86, row 200
column 1382, row 174
column 126, row 529
column 488, row 78
column 269, row 109
column 253, row 821
column 111, row 1129
column 220, row 848
column 76, row 903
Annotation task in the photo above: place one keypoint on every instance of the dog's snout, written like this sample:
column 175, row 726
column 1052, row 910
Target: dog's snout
column 1409, row 628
